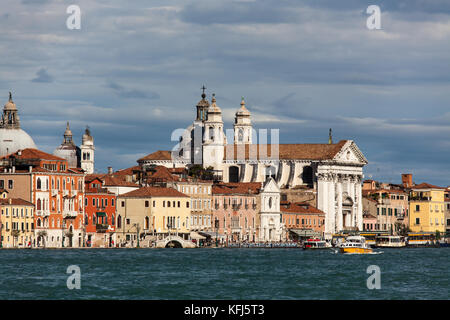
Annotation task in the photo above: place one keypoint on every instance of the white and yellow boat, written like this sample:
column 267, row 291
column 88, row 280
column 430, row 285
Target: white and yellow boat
column 355, row 244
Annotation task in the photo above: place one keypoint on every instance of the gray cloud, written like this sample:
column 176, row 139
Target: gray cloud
column 133, row 74
column 42, row 76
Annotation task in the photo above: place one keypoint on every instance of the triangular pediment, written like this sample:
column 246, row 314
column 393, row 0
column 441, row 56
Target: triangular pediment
column 351, row 154
column 271, row 186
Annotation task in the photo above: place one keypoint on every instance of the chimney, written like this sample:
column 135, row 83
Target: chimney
column 14, row 169
column 30, row 169
column 10, row 201
column 110, row 170
column 407, row 180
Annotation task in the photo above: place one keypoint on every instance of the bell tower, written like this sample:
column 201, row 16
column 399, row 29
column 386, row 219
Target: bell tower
column 242, row 125
column 87, row 152
column 213, row 147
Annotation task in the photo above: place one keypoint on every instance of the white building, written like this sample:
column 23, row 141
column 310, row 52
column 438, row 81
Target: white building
column 333, row 170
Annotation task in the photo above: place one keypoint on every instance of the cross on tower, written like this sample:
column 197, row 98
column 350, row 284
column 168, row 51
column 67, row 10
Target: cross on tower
column 203, row 88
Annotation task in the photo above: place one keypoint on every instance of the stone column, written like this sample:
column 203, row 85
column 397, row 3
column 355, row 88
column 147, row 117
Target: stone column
column 339, row 213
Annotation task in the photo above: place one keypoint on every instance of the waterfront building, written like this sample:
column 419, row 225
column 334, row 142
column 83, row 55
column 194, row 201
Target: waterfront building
column 302, row 220
column 150, row 212
column 391, row 208
column 16, row 222
column 12, row 137
column 100, row 214
column 427, row 208
column 56, row 191
column 447, row 211
column 236, row 210
column 200, row 192
column 332, row 171
column 114, row 184
column 370, row 222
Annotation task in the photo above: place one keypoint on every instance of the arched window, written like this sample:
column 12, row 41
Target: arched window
column 38, row 204
column 240, row 135
column 307, row 175
column 38, row 184
column 38, row 222
column 119, row 221
column 147, row 223
column 233, row 174
column 211, row 133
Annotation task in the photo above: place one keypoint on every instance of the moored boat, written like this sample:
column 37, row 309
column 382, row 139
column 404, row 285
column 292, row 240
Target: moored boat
column 355, row 244
column 315, row 244
column 390, row 242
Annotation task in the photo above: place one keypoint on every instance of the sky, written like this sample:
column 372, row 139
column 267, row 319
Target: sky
column 134, row 70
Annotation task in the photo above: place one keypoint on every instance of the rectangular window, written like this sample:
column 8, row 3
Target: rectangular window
column 154, row 203
column 417, row 207
column 417, row 220
column 10, row 184
column 146, row 204
column 2, row 184
column 123, row 204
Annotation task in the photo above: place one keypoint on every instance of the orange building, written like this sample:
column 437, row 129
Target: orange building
column 302, row 220
column 100, row 214
column 56, row 191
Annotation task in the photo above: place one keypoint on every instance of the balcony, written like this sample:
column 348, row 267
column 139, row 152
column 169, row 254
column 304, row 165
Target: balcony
column 73, row 193
column 54, row 192
column 70, row 214
column 101, row 227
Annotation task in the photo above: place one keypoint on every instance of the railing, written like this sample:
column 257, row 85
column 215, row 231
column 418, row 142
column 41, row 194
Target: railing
column 67, row 214
column 101, row 227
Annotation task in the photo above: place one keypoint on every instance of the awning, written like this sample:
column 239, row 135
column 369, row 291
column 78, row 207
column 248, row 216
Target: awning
column 195, row 235
column 101, row 214
column 305, row 232
column 212, row 234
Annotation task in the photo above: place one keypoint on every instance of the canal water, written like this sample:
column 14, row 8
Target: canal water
column 409, row 273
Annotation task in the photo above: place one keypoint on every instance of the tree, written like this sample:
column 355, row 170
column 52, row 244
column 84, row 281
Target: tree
column 438, row 235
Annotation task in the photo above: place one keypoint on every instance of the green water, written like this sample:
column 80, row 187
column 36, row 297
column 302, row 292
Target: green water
column 420, row 273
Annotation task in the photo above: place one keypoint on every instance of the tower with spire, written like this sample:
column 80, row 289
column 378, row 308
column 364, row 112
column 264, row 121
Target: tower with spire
column 87, row 152
column 242, row 125
column 68, row 150
column 213, row 146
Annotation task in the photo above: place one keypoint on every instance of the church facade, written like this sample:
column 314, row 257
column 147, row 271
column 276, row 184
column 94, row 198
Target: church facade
column 333, row 170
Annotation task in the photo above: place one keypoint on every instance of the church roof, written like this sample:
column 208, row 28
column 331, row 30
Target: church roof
column 242, row 111
column 318, row 151
column 158, row 155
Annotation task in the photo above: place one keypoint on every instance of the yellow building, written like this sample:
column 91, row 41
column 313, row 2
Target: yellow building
column 200, row 193
column 151, row 212
column 427, row 208
column 16, row 222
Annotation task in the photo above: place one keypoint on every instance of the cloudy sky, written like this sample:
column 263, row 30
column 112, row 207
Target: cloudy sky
column 133, row 73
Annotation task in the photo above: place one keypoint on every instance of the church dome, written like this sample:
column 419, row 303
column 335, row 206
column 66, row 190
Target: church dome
column 214, row 108
column 242, row 111
column 12, row 137
column 12, row 140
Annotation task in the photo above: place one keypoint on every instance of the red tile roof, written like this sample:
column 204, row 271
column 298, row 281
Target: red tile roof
column 300, row 207
column 147, row 192
column 32, row 154
column 15, row 201
column 158, row 155
column 237, row 188
column 425, row 185
column 285, row 151
column 310, row 151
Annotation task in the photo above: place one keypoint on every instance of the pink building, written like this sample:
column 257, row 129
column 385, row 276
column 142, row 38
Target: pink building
column 235, row 208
